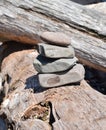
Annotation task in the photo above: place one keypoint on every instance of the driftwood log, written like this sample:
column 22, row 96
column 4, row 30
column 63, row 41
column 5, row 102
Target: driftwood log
column 27, row 105
column 24, row 21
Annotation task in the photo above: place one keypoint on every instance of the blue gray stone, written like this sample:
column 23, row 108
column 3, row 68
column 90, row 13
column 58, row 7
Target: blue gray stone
column 74, row 75
column 59, row 65
column 52, row 51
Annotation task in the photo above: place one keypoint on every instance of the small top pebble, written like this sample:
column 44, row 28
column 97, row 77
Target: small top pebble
column 56, row 38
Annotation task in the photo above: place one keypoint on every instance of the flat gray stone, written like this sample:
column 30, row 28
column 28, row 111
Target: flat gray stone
column 53, row 67
column 53, row 51
column 74, row 75
column 57, row 38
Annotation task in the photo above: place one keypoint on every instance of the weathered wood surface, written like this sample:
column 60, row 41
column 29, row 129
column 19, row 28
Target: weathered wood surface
column 101, row 7
column 25, row 20
column 76, row 107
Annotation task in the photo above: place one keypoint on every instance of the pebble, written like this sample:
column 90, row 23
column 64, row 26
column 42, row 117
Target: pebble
column 56, row 38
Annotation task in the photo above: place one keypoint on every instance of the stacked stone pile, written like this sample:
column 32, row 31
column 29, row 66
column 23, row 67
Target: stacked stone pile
column 56, row 62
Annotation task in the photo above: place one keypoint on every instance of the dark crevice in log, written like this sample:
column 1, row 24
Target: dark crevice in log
column 2, row 95
column 14, row 46
column 52, row 118
column 96, row 79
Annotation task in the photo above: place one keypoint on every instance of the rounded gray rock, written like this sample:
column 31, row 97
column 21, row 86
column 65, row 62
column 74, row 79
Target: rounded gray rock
column 56, row 38
column 55, row 66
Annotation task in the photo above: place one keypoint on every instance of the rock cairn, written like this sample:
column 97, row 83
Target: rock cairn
column 56, row 62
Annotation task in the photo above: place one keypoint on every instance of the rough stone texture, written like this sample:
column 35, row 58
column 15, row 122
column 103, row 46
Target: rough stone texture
column 100, row 7
column 52, row 51
column 56, row 66
column 74, row 75
column 56, row 38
